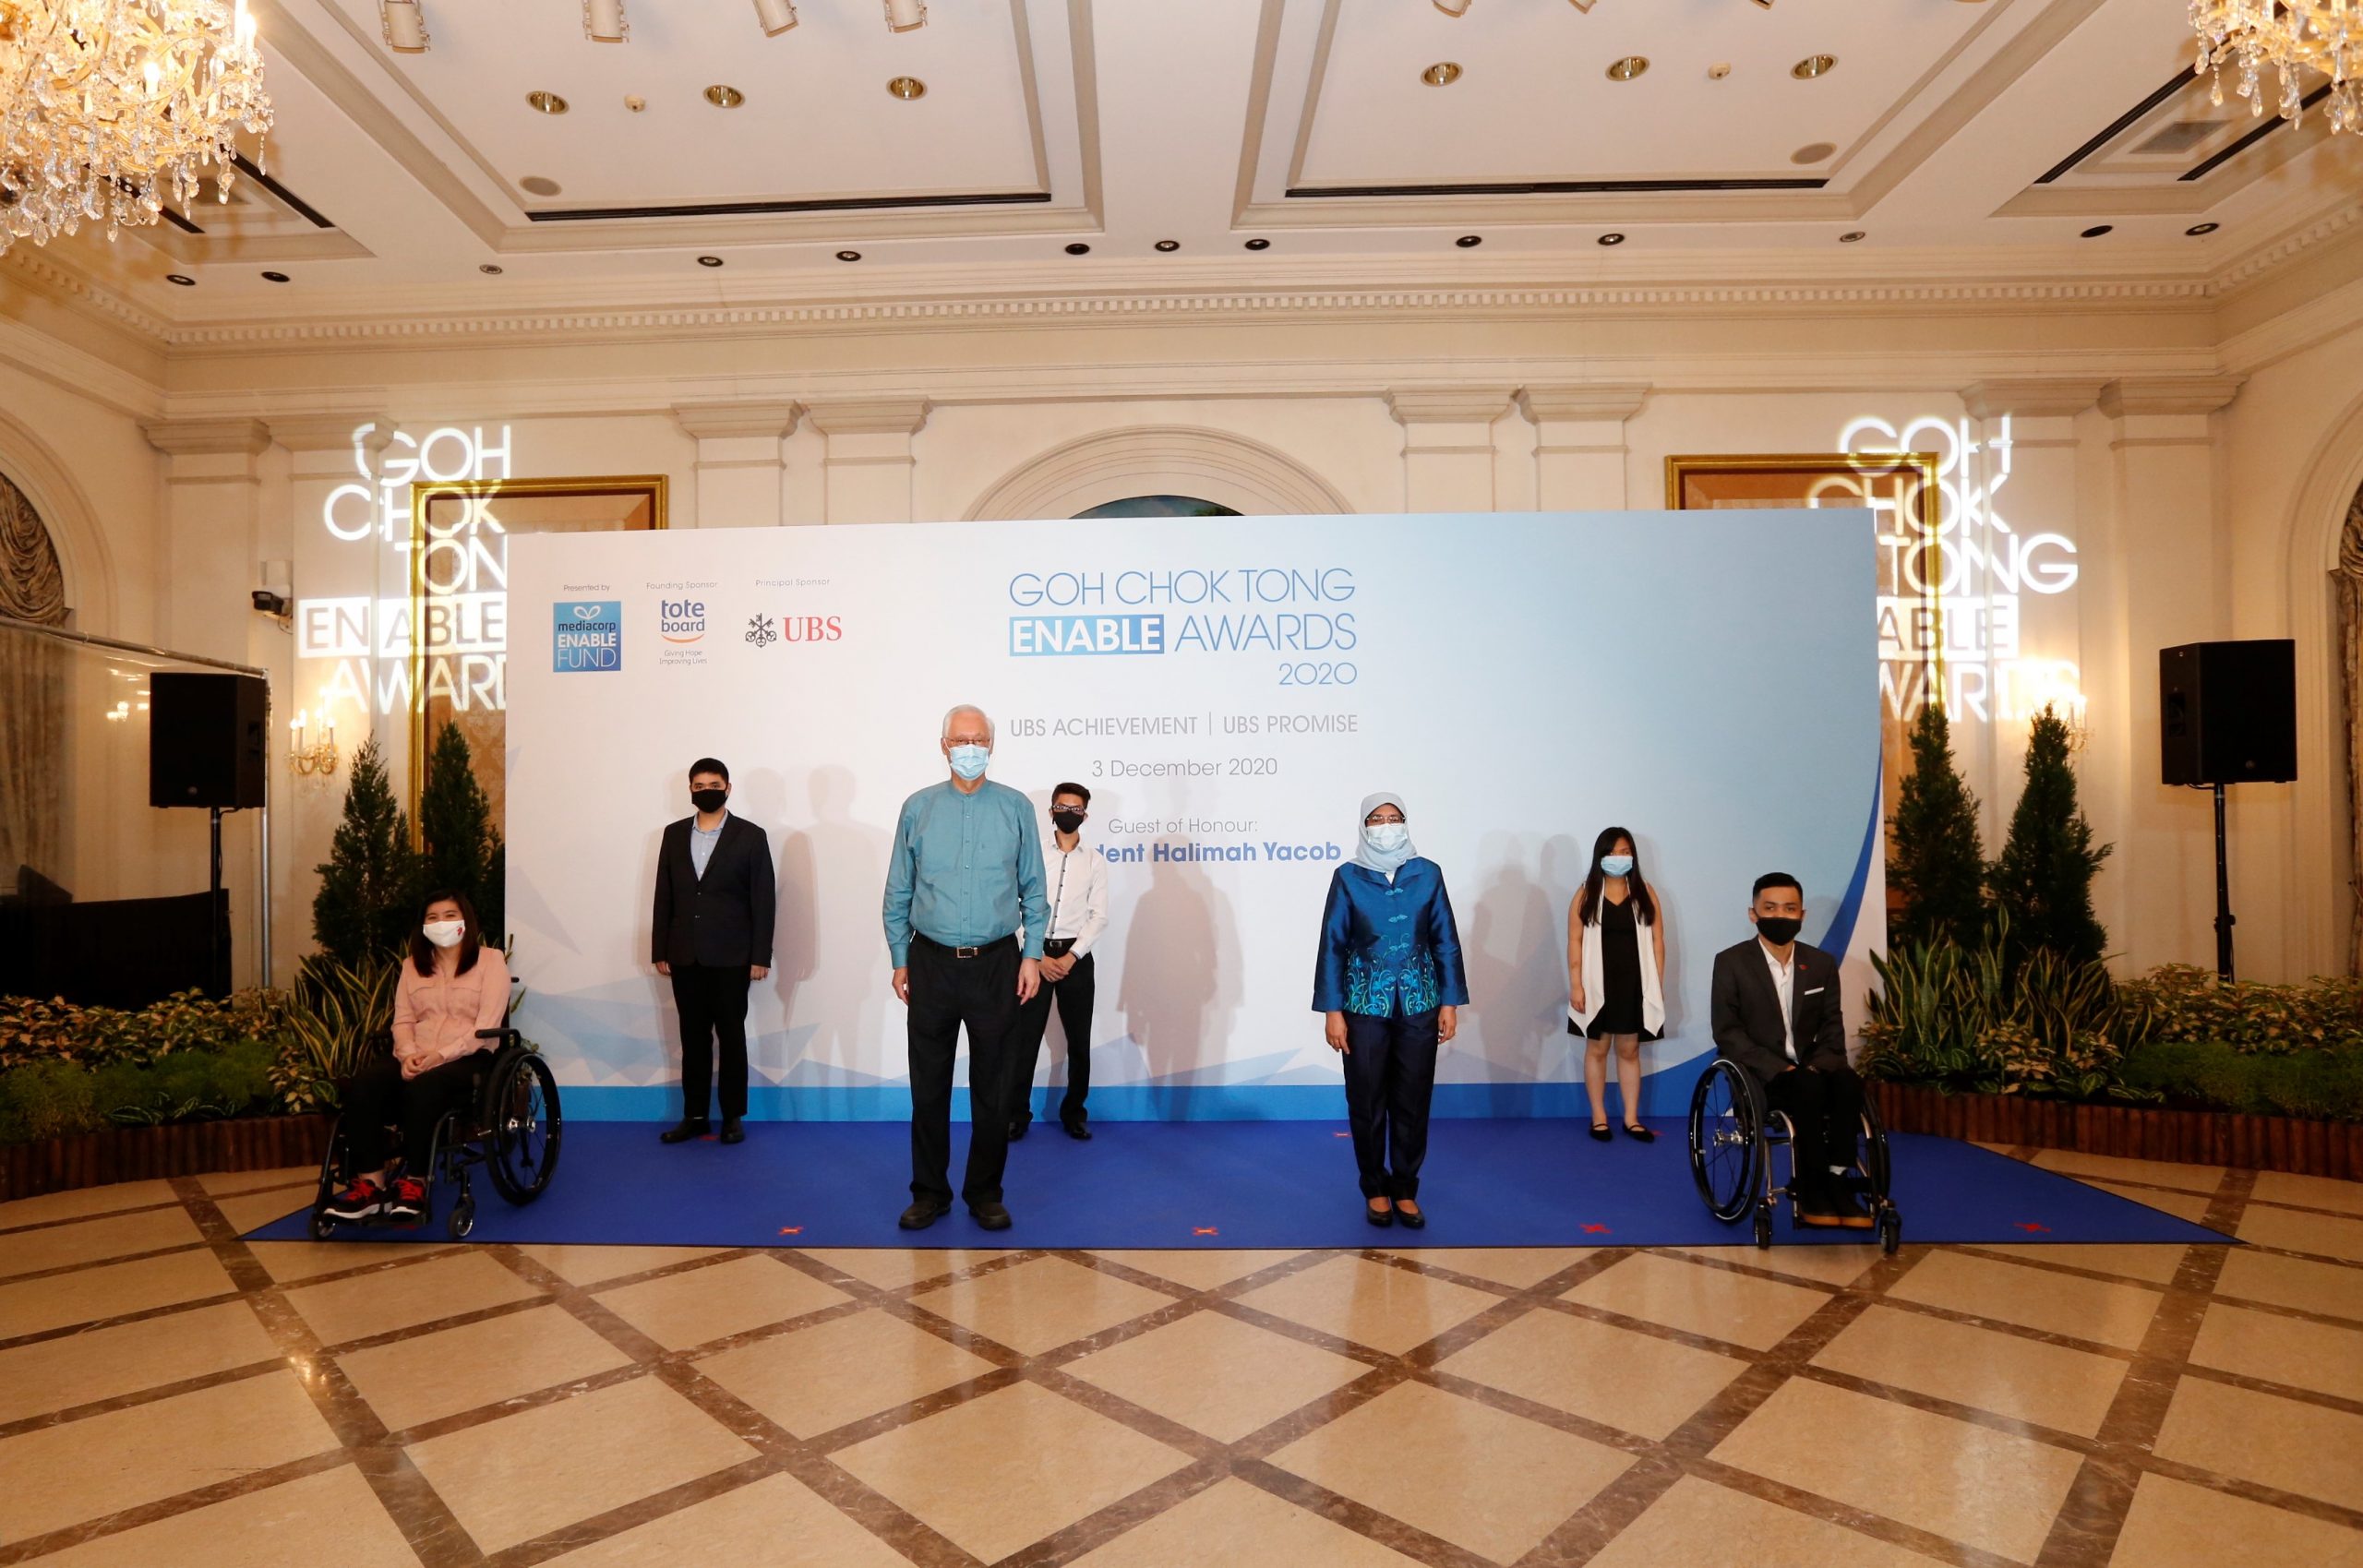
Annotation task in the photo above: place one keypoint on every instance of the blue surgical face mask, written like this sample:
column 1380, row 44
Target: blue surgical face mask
column 1387, row 837
column 1616, row 865
column 968, row 761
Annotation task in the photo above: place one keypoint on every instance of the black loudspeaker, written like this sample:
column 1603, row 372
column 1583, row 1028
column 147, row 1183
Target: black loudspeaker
column 2228, row 711
column 208, row 739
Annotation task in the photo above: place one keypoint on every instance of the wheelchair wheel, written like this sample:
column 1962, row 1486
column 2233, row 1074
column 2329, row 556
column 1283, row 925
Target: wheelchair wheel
column 332, row 1162
column 1764, row 1225
column 1891, row 1228
column 462, row 1219
column 523, row 1126
column 1726, row 1144
column 1876, row 1169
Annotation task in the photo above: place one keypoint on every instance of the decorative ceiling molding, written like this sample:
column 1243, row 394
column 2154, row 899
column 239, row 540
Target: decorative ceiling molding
column 2039, row 397
column 207, row 437
column 1615, row 402
column 1450, row 405
column 2262, row 260
column 868, row 416
column 730, row 418
column 2167, row 394
column 47, row 275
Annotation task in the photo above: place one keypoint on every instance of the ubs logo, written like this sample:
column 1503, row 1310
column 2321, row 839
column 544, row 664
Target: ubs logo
column 812, row 629
column 761, row 631
column 681, row 620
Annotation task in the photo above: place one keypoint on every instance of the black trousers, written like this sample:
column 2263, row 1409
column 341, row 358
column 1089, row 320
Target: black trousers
column 947, row 994
column 713, row 1005
column 1073, row 996
column 379, row 1099
column 1390, row 1076
column 1825, row 1109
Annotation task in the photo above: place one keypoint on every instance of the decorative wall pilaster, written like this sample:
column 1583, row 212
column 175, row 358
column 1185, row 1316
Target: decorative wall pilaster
column 1579, row 444
column 866, row 473
column 741, row 463
column 1448, row 446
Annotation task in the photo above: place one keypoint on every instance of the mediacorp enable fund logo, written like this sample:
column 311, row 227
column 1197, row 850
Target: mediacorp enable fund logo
column 590, row 635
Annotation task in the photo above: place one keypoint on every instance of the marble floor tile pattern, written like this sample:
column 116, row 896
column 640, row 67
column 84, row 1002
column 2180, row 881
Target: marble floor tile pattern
column 170, row 1393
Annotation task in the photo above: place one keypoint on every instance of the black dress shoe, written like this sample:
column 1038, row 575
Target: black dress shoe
column 731, row 1132
column 691, row 1127
column 1379, row 1217
column 922, row 1213
column 1412, row 1219
column 1636, row 1131
column 1600, row 1131
column 990, row 1216
column 1077, row 1128
column 1017, row 1130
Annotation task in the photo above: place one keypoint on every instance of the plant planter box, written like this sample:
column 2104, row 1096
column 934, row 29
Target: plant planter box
column 2193, row 1137
column 140, row 1154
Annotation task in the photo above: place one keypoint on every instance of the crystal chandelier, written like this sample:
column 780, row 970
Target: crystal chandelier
column 110, row 108
column 2292, row 37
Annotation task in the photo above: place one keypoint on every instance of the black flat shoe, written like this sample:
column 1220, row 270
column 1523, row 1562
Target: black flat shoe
column 1600, row 1131
column 1078, row 1130
column 1412, row 1219
column 991, row 1216
column 1379, row 1217
column 689, row 1127
column 922, row 1214
column 1017, row 1130
column 1642, row 1133
column 731, row 1132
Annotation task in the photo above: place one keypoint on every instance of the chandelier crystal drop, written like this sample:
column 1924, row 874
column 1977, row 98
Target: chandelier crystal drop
column 111, row 108
column 2293, row 38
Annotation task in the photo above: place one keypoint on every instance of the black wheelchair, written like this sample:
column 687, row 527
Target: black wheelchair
column 1732, row 1137
column 509, row 1124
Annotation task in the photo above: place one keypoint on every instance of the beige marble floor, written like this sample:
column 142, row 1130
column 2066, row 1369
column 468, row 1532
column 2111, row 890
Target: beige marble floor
column 171, row 1394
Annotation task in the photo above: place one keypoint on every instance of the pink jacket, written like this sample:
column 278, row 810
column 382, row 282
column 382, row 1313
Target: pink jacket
column 437, row 1016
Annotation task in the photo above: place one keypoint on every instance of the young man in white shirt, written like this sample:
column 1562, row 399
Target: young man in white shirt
column 1076, row 880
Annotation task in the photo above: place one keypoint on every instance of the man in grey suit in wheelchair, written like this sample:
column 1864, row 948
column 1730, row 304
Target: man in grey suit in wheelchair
column 1776, row 1012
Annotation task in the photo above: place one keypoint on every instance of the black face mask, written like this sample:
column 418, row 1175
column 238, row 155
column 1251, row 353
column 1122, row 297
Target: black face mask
column 1066, row 821
column 708, row 800
column 1778, row 929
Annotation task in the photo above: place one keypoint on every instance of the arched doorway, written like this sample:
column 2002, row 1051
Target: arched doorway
column 1185, row 463
column 1159, row 506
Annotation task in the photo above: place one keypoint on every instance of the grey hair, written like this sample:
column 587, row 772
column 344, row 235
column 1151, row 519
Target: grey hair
column 954, row 713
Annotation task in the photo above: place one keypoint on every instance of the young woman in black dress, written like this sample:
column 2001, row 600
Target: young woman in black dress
column 1616, row 990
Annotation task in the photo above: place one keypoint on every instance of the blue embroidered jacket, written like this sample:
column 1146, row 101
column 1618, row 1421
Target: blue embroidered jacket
column 1388, row 950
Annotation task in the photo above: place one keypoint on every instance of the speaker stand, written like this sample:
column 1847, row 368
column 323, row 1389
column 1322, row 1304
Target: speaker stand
column 2224, row 919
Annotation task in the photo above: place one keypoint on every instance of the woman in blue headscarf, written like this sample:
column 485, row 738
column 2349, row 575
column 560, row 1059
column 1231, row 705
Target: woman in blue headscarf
column 1390, row 982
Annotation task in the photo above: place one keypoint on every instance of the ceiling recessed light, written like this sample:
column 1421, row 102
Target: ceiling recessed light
column 635, row 102
column 1169, row 245
column 1813, row 152
column 1469, row 242
column 848, row 256
column 2202, row 228
column 1850, row 236
column 902, row 15
column 775, row 16
column 709, row 261
column 1720, row 70
column 183, row 279
column 1814, row 65
column 906, row 88
column 1443, row 72
column 539, row 184
column 1259, row 244
column 546, row 102
column 1609, row 239
column 274, row 277
column 2097, row 230
column 1453, row 8
column 722, row 95
column 1078, row 248
column 1628, row 67
column 489, row 268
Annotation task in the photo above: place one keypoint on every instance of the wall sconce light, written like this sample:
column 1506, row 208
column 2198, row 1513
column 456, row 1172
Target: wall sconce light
column 316, row 758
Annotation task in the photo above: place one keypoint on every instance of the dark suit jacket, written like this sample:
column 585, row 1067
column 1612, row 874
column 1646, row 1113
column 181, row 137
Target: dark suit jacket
column 724, row 917
column 1745, row 1010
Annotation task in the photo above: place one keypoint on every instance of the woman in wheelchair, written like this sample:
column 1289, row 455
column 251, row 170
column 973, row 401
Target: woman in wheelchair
column 452, row 987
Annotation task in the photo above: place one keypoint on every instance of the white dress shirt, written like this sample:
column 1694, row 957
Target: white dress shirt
column 1784, row 982
column 1076, row 881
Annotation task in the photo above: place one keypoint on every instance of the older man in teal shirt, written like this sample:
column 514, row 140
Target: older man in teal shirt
column 964, row 878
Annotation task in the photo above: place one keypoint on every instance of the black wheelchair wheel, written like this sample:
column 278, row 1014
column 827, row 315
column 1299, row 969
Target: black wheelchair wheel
column 523, row 1126
column 462, row 1219
column 1726, row 1143
column 332, row 1163
column 1891, row 1229
column 1876, row 1169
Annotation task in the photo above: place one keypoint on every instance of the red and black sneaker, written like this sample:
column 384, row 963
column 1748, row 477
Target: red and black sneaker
column 409, row 1202
column 359, row 1200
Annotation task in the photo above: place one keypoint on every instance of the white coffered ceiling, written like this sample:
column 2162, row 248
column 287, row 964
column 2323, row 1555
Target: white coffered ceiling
column 1979, row 134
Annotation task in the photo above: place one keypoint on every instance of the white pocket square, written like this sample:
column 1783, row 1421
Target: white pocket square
column 1817, row 991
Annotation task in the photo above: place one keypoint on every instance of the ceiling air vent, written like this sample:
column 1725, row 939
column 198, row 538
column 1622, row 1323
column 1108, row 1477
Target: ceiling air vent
column 2180, row 137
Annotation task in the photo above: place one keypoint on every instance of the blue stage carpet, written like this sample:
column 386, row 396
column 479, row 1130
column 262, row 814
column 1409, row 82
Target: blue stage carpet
column 1149, row 1184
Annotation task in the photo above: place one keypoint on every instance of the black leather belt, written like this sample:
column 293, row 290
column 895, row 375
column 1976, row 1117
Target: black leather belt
column 985, row 952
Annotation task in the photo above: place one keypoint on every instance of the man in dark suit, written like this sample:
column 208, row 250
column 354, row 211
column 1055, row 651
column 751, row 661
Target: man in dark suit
column 1776, row 1012
column 711, row 933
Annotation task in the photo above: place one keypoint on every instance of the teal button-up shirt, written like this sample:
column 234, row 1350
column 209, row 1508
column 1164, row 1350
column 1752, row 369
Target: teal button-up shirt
column 966, row 869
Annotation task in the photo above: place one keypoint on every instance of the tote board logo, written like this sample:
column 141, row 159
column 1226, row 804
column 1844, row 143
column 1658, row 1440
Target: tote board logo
column 680, row 620
column 590, row 635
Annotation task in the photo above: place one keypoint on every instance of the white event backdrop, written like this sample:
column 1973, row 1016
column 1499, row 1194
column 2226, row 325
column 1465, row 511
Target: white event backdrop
column 1228, row 689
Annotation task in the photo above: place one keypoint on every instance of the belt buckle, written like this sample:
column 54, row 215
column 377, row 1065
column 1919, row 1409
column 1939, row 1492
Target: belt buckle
column 966, row 952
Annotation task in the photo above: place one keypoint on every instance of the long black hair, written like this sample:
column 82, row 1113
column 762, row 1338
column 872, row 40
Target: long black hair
column 1644, row 902
column 422, row 951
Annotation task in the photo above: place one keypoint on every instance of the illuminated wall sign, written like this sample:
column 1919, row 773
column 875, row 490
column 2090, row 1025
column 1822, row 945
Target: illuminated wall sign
column 1981, row 569
column 461, row 631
